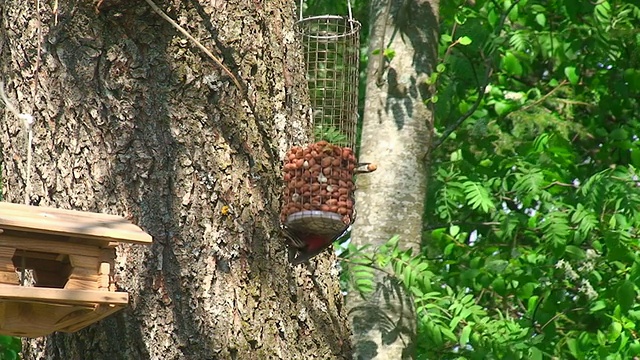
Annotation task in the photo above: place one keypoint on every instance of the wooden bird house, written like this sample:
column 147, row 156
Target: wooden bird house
column 71, row 255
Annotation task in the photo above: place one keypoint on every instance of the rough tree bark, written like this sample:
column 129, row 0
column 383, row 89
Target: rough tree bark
column 132, row 119
column 396, row 133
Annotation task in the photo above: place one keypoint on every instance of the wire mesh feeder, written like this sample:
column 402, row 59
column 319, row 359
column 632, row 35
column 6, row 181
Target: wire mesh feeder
column 331, row 45
column 318, row 198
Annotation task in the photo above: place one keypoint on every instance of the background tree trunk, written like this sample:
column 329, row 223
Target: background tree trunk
column 132, row 119
column 396, row 134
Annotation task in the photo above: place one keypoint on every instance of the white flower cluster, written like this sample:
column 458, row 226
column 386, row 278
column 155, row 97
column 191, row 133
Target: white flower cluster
column 584, row 269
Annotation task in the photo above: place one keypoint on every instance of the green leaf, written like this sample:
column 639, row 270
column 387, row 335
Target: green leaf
column 389, row 54
column 464, row 40
column 498, row 286
column 478, row 197
column 511, row 64
column 9, row 354
column 532, row 304
column 5, row 340
column 597, row 306
column 614, row 331
column 602, row 12
column 535, row 353
column 445, row 38
column 502, row 107
column 464, row 335
column 541, row 19
column 575, row 251
column 571, row 74
column 448, row 333
column 574, row 348
column 626, row 295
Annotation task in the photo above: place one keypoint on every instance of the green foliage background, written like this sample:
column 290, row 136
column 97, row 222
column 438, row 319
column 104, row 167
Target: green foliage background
column 531, row 245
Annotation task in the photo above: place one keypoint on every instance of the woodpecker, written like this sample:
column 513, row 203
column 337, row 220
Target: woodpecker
column 305, row 246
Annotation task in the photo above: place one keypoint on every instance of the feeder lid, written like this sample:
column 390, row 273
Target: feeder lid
column 70, row 223
column 316, row 222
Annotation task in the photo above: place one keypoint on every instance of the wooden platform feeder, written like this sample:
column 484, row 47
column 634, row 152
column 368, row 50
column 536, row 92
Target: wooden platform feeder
column 71, row 254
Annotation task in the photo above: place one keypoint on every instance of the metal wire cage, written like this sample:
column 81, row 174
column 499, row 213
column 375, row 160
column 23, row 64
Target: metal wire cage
column 331, row 45
column 318, row 201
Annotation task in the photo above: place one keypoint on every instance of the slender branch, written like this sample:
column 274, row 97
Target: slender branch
column 558, row 183
column 545, row 96
column 195, row 41
column 439, row 226
column 481, row 87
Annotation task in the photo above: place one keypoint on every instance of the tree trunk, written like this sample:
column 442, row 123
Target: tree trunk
column 132, row 119
column 396, row 134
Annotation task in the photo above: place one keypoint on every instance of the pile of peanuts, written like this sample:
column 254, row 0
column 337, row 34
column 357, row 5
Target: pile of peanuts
column 319, row 177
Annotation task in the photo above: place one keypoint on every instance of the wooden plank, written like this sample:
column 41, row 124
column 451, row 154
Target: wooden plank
column 100, row 313
column 37, row 256
column 9, row 278
column 84, row 273
column 6, row 264
column 7, row 251
column 103, row 282
column 44, row 211
column 61, row 296
column 48, row 246
column 40, row 319
column 70, row 222
column 27, row 319
column 82, row 261
column 81, row 284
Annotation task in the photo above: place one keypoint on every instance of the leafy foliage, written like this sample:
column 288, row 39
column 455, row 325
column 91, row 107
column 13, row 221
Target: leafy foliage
column 534, row 199
column 534, row 215
column 10, row 347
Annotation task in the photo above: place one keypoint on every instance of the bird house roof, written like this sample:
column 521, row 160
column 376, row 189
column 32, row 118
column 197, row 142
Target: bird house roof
column 70, row 224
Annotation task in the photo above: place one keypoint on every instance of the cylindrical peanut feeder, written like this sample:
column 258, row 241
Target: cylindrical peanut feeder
column 318, row 201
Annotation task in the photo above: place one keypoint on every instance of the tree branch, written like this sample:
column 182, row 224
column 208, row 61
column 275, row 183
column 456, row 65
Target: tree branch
column 217, row 61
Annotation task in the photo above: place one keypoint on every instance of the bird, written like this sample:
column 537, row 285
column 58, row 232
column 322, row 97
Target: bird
column 304, row 246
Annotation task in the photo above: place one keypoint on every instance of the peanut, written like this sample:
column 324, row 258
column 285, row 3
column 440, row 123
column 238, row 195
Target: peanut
column 326, row 161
